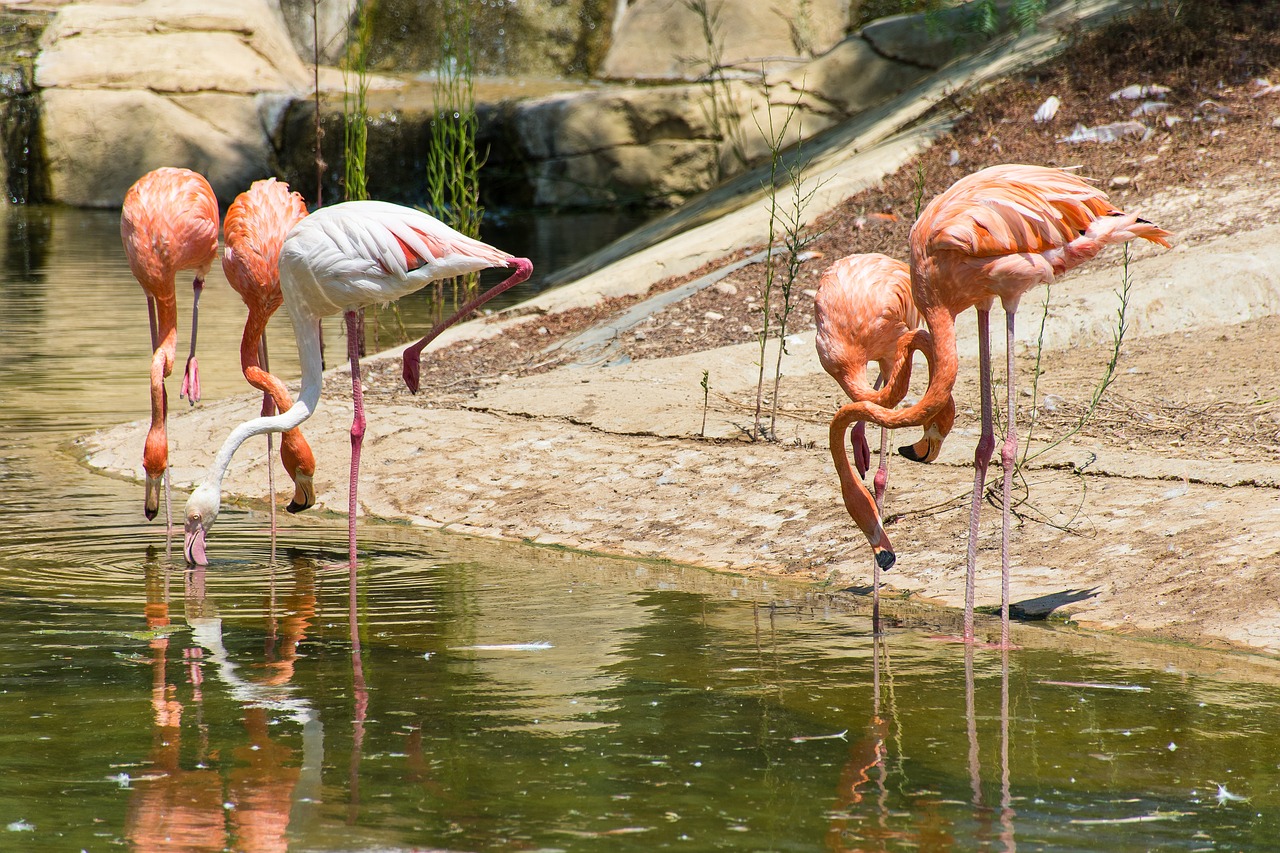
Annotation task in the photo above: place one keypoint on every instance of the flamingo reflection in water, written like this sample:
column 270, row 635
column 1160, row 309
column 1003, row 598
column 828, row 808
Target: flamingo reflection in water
column 183, row 801
column 856, row 826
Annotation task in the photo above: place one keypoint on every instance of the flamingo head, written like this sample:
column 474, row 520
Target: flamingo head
column 304, row 493
column 201, row 513
column 935, row 432
column 155, row 459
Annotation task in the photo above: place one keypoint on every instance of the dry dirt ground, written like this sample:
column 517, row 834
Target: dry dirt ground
column 1159, row 516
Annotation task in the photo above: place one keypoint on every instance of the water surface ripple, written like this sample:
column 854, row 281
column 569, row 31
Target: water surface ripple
column 498, row 697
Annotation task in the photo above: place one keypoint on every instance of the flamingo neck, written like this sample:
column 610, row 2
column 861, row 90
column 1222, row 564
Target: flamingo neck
column 307, row 333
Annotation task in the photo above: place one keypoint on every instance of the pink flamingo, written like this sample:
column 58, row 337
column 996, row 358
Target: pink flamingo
column 340, row 259
column 254, row 231
column 864, row 312
column 993, row 234
column 863, row 309
column 169, row 222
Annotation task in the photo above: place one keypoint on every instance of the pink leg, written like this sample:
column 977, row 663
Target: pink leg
column 981, row 460
column 882, row 473
column 1008, row 460
column 413, row 355
column 269, row 409
column 881, row 478
column 191, row 376
column 971, row 726
column 151, row 315
column 875, row 598
column 357, row 428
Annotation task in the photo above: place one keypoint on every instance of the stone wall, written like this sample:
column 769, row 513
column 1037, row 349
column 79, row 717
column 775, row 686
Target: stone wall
column 123, row 87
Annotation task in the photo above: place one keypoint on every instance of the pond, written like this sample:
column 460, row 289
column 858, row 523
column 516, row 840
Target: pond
column 477, row 695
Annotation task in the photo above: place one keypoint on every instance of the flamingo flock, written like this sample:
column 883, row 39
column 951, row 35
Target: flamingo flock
column 993, row 235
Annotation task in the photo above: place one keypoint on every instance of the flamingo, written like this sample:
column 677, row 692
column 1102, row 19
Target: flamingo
column 169, row 222
column 254, row 231
column 993, row 234
column 863, row 310
column 340, row 259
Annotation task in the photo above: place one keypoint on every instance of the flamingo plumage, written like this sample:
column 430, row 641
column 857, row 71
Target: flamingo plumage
column 992, row 235
column 168, row 223
column 254, row 231
column 338, row 260
column 864, row 313
column 863, row 310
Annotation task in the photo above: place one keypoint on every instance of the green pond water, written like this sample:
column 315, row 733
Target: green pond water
column 483, row 696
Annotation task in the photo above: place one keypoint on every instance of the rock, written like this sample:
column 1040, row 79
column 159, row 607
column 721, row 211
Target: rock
column 128, row 88
column 98, row 142
column 663, row 39
column 853, row 76
column 927, row 44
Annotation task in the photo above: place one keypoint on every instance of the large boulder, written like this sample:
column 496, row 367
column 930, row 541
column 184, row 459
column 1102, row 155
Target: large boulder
column 128, row 88
column 669, row 39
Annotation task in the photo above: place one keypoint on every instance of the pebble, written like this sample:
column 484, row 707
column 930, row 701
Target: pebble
column 725, row 288
column 713, row 315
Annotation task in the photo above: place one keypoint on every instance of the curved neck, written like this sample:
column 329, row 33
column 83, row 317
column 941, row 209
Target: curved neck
column 251, row 364
column 307, row 332
column 939, row 348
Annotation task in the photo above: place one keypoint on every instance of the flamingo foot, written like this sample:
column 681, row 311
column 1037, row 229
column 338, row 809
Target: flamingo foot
column 861, row 450
column 191, row 381
column 412, row 369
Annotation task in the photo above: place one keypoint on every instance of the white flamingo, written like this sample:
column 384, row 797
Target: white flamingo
column 341, row 259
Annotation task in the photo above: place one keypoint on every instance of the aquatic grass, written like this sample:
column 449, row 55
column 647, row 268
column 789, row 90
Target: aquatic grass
column 453, row 163
column 1023, row 506
column 785, row 235
column 355, row 120
column 719, row 107
column 315, row 82
column 706, row 394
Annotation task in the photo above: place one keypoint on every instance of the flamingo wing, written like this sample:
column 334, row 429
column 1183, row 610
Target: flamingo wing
column 254, row 230
column 363, row 252
column 1014, row 209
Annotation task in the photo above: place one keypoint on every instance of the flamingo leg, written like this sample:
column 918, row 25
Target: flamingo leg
column 151, row 316
column 413, row 354
column 269, row 409
column 981, row 461
column 357, row 428
column 168, row 485
column 191, row 375
column 1008, row 461
column 168, row 481
column 881, row 478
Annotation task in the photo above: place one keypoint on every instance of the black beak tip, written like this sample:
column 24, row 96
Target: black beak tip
column 294, row 507
column 909, row 451
column 886, row 559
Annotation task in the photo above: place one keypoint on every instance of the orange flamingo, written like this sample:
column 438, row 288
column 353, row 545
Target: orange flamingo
column 169, row 222
column 993, row 234
column 338, row 260
column 863, row 310
column 254, row 231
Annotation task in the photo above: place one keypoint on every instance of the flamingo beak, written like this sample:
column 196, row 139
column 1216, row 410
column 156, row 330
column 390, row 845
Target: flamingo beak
column 193, row 543
column 304, row 494
column 885, row 558
column 151, row 499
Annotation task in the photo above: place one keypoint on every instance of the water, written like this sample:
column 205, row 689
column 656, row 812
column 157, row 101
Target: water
column 501, row 697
